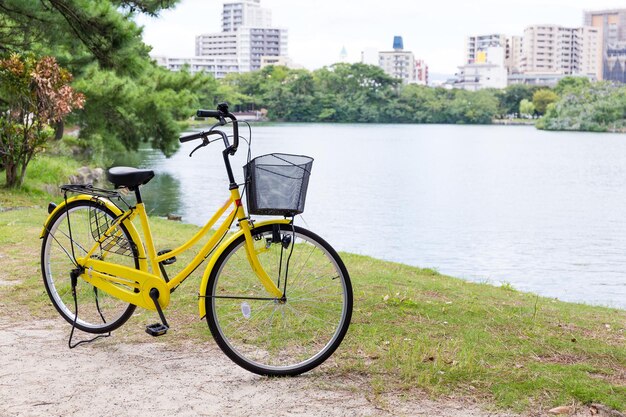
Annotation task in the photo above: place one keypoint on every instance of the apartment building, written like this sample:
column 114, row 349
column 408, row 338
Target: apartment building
column 217, row 66
column 247, row 37
column 402, row 64
column 487, row 70
column 554, row 49
column 248, row 45
column 245, row 13
column 476, row 45
column 611, row 25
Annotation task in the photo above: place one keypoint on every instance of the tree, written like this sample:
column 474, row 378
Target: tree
column 356, row 92
column 571, row 85
column 597, row 107
column 526, row 108
column 542, row 98
column 122, row 111
column 100, row 41
column 78, row 32
column 511, row 97
column 36, row 94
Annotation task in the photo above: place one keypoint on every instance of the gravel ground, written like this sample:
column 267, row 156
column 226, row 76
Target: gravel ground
column 40, row 376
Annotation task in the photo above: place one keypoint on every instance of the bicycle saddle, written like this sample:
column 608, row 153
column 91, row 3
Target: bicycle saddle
column 129, row 177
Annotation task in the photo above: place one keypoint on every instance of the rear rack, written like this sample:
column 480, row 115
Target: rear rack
column 90, row 190
column 100, row 223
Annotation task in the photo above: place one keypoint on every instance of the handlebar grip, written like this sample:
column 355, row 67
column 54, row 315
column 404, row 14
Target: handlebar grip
column 193, row 136
column 209, row 113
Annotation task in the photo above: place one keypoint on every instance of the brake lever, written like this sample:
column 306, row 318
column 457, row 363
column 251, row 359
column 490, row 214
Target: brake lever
column 205, row 142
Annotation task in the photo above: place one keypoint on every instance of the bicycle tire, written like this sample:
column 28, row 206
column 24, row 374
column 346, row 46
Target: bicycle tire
column 98, row 312
column 270, row 337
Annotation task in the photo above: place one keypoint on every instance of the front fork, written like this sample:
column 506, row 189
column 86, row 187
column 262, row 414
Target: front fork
column 253, row 258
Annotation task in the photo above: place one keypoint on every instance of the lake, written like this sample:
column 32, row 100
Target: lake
column 542, row 211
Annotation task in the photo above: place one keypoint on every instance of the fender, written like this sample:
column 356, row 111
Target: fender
column 132, row 231
column 215, row 257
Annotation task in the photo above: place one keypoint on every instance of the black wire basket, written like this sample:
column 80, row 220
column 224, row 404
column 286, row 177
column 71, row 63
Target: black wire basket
column 277, row 184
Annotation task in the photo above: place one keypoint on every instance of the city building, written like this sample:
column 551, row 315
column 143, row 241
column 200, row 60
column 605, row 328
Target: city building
column 217, row 66
column 245, row 13
column 487, row 70
column 554, row 49
column 283, row 61
column 540, row 80
column 402, row 64
column 421, row 72
column 611, row 25
column 247, row 40
column 514, row 53
column 476, row 45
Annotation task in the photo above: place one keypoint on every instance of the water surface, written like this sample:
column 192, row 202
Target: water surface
column 542, row 211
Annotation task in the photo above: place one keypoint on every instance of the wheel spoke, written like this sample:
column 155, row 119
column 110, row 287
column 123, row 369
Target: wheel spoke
column 58, row 262
column 281, row 337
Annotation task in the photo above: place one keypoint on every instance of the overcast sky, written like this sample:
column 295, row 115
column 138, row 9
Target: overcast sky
column 434, row 30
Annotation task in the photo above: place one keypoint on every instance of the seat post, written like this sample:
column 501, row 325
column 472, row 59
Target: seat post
column 138, row 195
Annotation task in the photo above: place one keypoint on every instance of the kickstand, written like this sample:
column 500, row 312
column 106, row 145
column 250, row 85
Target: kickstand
column 74, row 277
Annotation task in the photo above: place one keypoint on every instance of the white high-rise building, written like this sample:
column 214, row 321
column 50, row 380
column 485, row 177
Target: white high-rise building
column 245, row 13
column 247, row 38
column 477, row 43
column 553, row 49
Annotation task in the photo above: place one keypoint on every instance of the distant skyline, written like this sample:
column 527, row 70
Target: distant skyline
column 434, row 31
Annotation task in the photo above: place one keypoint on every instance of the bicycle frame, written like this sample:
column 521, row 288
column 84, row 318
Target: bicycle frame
column 134, row 285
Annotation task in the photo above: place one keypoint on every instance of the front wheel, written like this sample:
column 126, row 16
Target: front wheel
column 286, row 336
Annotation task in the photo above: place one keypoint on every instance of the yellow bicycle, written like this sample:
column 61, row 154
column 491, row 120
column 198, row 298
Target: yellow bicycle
column 277, row 298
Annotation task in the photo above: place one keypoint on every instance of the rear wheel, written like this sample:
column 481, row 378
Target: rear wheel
column 270, row 336
column 98, row 312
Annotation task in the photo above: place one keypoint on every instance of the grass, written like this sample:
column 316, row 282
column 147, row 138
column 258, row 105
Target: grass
column 412, row 328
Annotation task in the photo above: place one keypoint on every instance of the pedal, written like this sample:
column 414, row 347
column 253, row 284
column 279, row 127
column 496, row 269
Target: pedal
column 167, row 261
column 156, row 329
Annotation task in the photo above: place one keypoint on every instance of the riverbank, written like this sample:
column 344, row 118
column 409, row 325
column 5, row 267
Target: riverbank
column 414, row 331
column 513, row 122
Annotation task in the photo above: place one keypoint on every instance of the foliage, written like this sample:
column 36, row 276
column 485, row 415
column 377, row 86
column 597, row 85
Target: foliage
column 79, row 32
column 121, row 111
column 129, row 99
column 511, row 97
column 542, row 98
column 571, row 84
column 36, row 93
column 592, row 107
column 526, row 107
column 357, row 93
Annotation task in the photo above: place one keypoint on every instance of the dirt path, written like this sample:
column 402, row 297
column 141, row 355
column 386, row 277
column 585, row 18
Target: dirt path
column 40, row 376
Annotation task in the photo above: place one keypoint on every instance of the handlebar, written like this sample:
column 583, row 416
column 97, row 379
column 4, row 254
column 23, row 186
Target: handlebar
column 193, row 136
column 220, row 114
column 209, row 113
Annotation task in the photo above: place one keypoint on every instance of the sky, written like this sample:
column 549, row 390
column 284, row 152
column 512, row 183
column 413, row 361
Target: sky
column 434, row 30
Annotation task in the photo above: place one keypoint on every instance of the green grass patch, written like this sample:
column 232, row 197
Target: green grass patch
column 411, row 327
column 43, row 176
